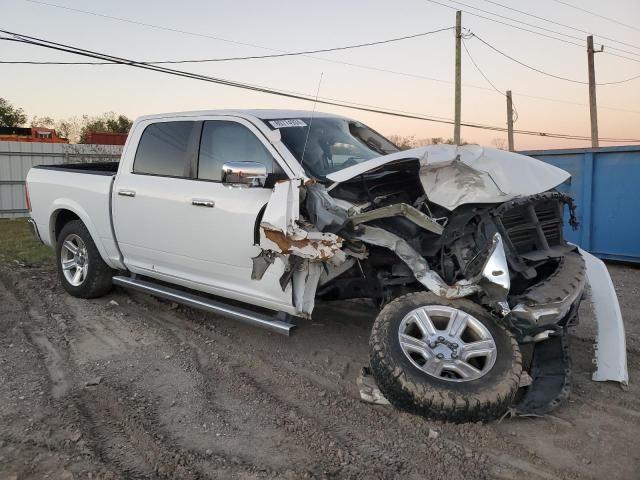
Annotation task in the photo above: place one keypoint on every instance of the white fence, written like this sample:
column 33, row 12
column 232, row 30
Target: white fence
column 16, row 158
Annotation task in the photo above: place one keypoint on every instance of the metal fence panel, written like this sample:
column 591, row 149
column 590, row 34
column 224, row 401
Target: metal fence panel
column 606, row 187
column 16, row 158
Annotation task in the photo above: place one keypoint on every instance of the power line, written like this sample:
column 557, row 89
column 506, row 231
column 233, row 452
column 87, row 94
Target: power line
column 563, row 24
column 464, row 44
column 252, row 57
column 597, row 15
column 535, row 26
column 617, row 82
column 323, row 59
column 257, row 88
column 518, row 27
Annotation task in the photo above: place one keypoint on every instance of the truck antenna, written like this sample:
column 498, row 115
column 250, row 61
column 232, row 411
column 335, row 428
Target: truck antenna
column 306, row 139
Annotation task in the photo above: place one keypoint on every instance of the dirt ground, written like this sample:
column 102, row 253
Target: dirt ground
column 127, row 386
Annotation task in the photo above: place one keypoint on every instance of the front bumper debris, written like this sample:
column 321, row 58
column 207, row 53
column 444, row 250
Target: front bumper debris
column 549, row 301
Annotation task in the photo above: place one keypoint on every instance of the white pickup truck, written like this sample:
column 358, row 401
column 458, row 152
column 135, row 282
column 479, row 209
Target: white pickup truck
column 462, row 248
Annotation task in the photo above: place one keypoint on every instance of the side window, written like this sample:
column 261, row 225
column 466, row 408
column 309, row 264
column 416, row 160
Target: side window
column 224, row 142
column 167, row 149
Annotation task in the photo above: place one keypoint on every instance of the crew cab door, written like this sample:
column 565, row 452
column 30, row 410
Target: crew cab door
column 176, row 220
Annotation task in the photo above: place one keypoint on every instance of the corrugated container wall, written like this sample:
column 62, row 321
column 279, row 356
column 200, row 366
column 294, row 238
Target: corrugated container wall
column 605, row 185
column 16, row 158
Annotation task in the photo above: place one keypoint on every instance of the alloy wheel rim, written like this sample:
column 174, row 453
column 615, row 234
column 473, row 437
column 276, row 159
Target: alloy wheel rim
column 74, row 260
column 447, row 343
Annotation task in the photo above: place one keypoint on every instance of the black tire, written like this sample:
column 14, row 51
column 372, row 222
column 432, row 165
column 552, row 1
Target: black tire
column 98, row 278
column 409, row 388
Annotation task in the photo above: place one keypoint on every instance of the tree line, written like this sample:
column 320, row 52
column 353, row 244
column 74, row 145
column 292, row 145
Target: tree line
column 75, row 129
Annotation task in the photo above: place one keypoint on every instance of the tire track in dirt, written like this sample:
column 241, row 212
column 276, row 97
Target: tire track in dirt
column 341, row 418
column 182, row 394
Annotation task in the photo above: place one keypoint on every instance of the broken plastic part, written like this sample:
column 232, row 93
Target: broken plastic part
column 261, row 263
column 416, row 262
column 283, row 209
column 611, row 351
column 305, row 278
column 312, row 245
column 400, row 209
column 495, row 279
column 323, row 211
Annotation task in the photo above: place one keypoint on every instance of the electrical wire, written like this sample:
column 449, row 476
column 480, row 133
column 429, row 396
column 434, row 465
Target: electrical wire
column 350, row 64
column 540, row 34
column 257, row 88
column 571, row 27
column 519, row 62
column 597, row 15
column 573, row 37
column 251, row 57
column 464, row 44
column 516, row 115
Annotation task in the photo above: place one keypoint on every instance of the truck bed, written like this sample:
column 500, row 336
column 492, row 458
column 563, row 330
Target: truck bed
column 82, row 189
column 100, row 168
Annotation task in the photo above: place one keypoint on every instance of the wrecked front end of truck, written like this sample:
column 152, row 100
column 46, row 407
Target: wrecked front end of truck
column 463, row 250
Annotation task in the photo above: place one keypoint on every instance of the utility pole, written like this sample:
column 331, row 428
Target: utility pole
column 457, row 115
column 593, row 108
column 510, row 121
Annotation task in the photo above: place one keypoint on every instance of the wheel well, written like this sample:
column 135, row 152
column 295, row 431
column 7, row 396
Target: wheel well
column 61, row 218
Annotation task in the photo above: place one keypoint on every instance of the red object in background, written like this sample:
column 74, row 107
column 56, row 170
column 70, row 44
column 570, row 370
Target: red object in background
column 33, row 134
column 104, row 138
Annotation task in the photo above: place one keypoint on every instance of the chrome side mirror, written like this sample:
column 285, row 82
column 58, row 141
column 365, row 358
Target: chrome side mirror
column 251, row 174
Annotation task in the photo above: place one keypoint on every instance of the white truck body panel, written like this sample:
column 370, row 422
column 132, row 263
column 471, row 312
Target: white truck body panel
column 87, row 196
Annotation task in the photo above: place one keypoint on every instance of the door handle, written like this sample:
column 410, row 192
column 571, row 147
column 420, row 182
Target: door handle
column 127, row 193
column 203, row 203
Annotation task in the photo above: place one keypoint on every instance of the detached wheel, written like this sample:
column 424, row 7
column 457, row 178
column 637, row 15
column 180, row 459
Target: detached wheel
column 81, row 269
column 444, row 359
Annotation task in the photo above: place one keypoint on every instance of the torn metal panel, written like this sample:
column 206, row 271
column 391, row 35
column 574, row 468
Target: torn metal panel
column 283, row 210
column 305, row 278
column 495, row 279
column 611, row 349
column 323, row 210
column 400, row 209
column 417, row 263
column 261, row 263
column 309, row 245
column 454, row 175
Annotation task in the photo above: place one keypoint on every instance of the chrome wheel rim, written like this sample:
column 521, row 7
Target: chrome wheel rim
column 447, row 343
column 74, row 259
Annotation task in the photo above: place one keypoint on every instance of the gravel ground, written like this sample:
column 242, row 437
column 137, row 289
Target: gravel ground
column 127, row 386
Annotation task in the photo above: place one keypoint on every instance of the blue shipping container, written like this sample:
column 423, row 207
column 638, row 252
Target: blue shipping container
column 605, row 185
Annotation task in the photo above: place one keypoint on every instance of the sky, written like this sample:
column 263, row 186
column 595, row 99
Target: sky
column 413, row 75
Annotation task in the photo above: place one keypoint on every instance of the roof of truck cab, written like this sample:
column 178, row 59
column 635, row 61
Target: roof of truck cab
column 262, row 114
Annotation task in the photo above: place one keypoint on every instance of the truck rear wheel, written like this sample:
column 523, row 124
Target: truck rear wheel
column 81, row 269
column 444, row 359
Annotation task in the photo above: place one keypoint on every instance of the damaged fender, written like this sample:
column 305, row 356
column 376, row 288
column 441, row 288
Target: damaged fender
column 298, row 243
column 610, row 347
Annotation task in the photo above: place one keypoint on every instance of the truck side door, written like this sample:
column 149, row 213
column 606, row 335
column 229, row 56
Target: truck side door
column 176, row 220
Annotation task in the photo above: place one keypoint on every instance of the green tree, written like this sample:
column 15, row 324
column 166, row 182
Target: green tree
column 11, row 116
column 105, row 123
column 43, row 122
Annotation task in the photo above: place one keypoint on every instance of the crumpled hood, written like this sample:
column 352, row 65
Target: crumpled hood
column 455, row 175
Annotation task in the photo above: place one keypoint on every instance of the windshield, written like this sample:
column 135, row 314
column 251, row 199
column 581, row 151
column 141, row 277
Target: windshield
column 331, row 143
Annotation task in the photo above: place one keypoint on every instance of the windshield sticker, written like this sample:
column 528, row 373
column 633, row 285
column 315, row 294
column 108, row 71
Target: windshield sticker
column 291, row 122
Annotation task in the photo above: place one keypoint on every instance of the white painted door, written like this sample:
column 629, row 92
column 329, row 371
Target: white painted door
column 183, row 223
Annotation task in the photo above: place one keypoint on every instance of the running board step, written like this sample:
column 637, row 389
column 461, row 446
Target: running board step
column 206, row 304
